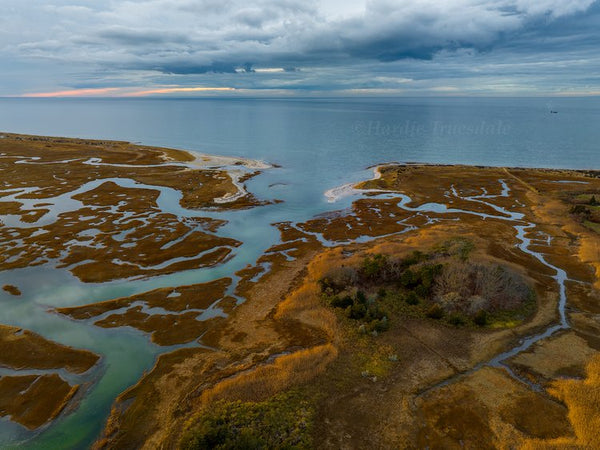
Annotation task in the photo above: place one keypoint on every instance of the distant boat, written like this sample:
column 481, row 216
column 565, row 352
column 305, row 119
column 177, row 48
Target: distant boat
column 553, row 112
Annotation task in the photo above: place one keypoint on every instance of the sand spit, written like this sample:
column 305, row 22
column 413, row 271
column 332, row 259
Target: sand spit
column 206, row 161
column 338, row 193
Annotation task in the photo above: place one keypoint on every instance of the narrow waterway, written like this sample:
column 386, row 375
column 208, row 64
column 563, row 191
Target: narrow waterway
column 522, row 229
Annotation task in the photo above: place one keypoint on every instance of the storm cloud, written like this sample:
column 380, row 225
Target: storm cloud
column 465, row 46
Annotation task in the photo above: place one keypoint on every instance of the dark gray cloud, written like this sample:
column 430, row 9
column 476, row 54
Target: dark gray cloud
column 445, row 46
column 135, row 38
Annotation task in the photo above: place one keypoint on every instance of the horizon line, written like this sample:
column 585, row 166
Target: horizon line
column 294, row 96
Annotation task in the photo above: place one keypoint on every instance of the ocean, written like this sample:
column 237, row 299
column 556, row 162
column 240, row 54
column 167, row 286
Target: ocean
column 321, row 143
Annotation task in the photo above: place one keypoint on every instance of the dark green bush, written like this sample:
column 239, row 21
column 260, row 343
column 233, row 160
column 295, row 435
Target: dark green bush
column 341, row 302
column 284, row 421
column 428, row 273
column 411, row 298
column 374, row 312
column 379, row 325
column 435, row 311
column 414, row 258
column 480, row 319
column 408, row 279
column 326, row 285
column 357, row 311
column 422, row 291
column 581, row 211
column 374, row 268
column 361, row 298
column 456, row 320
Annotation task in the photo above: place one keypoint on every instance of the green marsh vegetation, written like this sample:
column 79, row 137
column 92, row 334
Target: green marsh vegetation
column 585, row 208
column 285, row 421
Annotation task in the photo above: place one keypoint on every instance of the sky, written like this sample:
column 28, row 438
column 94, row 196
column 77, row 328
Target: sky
column 188, row 48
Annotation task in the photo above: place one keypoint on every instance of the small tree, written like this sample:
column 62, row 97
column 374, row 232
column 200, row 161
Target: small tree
column 408, row 278
column 374, row 268
column 435, row 311
column 480, row 318
column 411, row 298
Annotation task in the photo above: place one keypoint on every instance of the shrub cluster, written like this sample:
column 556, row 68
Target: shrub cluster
column 585, row 208
column 442, row 285
column 372, row 317
column 284, row 421
column 410, row 280
column 421, row 280
column 467, row 288
column 581, row 212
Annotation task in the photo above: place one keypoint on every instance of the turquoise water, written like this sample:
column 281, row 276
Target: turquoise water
column 319, row 144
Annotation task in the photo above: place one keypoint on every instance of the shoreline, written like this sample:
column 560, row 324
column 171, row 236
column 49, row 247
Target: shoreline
column 195, row 158
column 480, row 166
column 590, row 173
column 208, row 161
column 337, row 193
column 346, row 190
column 237, row 168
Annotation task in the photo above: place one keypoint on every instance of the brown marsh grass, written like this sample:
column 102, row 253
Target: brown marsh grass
column 582, row 398
column 265, row 381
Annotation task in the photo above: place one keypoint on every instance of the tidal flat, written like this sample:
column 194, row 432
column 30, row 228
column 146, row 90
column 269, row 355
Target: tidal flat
column 448, row 306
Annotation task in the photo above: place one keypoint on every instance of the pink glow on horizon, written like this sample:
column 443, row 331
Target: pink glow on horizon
column 125, row 92
column 73, row 93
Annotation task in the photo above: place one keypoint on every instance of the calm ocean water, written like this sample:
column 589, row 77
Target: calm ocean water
column 319, row 144
column 323, row 142
column 349, row 133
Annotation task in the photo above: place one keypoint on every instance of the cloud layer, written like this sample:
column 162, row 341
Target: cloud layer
column 466, row 46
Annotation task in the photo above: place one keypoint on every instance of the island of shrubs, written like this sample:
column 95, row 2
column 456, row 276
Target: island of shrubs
column 586, row 210
column 445, row 285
